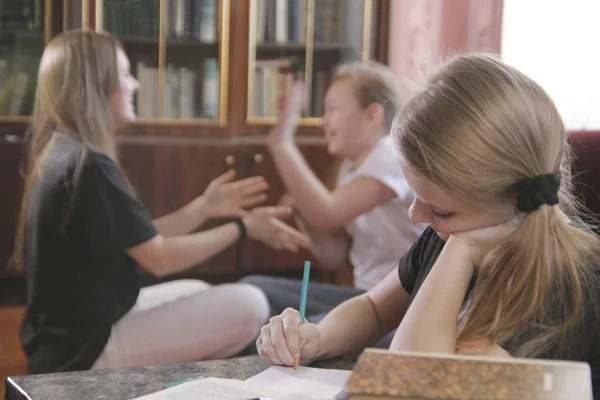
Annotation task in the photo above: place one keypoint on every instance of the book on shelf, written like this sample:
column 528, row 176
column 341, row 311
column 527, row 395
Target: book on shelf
column 274, row 77
column 285, row 21
column 187, row 93
column 21, row 15
column 210, row 88
column 185, row 19
column 321, row 81
column 132, row 18
column 21, row 47
column 192, row 19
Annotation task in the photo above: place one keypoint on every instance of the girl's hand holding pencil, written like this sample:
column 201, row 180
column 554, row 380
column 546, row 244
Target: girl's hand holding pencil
column 289, row 339
column 284, row 340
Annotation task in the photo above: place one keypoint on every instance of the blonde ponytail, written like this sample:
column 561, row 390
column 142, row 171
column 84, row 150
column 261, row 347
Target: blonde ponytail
column 477, row 131
column 530, row 290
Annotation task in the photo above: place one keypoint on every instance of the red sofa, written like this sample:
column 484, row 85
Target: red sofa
column 586, row 168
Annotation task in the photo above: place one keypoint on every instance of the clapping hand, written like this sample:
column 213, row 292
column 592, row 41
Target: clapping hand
column 264, row 224
column 224, row 198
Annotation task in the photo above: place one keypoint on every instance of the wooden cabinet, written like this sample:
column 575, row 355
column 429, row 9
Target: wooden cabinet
column 210, row 74
column 169, row 173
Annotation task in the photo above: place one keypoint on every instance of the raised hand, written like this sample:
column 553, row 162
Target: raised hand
column 290, row 112
column 283, row 340
column 224, row 198
column 263, row 224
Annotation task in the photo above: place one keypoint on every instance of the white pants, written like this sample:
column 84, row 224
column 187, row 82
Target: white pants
column 185, row 321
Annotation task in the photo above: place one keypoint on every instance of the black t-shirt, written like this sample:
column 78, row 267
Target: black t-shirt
column 80, row 281
column 416, row 264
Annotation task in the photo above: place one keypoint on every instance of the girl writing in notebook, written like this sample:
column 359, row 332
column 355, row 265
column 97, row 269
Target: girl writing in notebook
column 82, row 232
column 506, row 267
column 364, row 219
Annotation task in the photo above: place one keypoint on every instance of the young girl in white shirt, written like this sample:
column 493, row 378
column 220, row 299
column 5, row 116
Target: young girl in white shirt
column 365, row 218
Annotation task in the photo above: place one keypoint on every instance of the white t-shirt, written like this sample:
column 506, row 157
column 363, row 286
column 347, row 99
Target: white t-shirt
column 381, row 236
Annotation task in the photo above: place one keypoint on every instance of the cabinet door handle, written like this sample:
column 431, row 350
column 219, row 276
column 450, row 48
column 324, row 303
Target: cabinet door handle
column 230, row 160
column 11, row 138
column 258, row 158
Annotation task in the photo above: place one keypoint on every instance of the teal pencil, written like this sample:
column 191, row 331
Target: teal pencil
column 169, row 385
column 303, row 297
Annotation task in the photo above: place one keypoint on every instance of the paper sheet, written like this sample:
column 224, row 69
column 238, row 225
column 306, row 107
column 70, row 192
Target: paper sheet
column 315, row 383
column 276, row 383
column 210, row 389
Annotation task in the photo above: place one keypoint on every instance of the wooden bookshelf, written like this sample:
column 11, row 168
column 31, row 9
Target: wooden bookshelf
column 171, row 158
column 158, row 47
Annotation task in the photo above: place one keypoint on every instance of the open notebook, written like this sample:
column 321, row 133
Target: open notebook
column 276, row 383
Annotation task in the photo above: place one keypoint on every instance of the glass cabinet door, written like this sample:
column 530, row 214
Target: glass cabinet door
column 175, row 48
column 191, row 79
column 302, row 39
column 22, row 40
column 277, row 50
column 337, row 34
column 137, row 24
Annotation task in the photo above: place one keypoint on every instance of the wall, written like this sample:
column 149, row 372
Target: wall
column 424, row 32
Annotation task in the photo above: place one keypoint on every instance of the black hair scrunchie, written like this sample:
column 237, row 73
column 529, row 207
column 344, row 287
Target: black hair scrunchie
column 534, row 193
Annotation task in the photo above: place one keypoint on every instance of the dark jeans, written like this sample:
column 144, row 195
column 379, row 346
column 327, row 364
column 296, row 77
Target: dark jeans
column 322, row 298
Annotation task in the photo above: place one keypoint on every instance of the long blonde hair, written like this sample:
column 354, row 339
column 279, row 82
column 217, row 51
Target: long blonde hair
column 77, row 74
column 477, row 129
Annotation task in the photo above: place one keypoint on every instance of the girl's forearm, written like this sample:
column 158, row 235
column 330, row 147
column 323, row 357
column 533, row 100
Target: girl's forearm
column 184, row 220
column 350, row 327
column 311, row 196
column 430, row 324
column 330, row 247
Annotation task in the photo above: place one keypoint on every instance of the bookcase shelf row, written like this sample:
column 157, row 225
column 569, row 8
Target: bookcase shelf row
column 166, row 148
column 180, row 53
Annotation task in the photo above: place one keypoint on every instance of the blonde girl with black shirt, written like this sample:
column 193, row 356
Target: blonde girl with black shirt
column 506, row 266
column 82, row 232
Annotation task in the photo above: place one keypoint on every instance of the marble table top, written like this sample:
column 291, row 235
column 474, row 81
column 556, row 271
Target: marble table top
column 127, row 383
